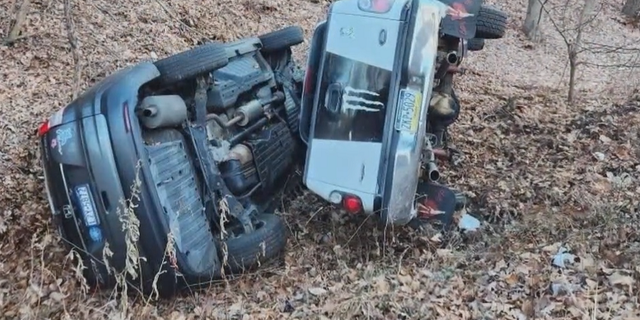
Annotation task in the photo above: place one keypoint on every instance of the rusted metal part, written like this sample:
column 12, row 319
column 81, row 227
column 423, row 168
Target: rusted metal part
column 456, row 69
column 442, row 154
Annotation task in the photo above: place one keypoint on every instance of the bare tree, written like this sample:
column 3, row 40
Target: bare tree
column 573, row 36
column 16, row 28
column 573, row 48
column 631, row 8
column 531, row 25
column 574, row 20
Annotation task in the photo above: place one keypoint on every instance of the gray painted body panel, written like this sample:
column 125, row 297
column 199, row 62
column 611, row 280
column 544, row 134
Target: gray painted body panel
column 407, row 161
column 347, row 166
column 357, row 167
column 352, row 166
column 358, row 38
column 349, row 7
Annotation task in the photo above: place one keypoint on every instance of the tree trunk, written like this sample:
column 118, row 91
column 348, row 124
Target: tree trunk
column 16, row 28
column 531, row 26
column 631, row 8
column 573, row 64
column 575, row 47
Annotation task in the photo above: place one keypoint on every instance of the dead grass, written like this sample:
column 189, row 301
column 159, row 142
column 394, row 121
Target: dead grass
column 548, row 175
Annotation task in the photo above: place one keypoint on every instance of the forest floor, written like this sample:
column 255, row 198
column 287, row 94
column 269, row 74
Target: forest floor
column 545, row 175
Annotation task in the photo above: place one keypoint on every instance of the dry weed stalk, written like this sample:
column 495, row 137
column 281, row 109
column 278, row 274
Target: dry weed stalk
column 224, row 212
column 106, row 254
column 77, row 271
column 131, row 228
column 131, row 225
column 170, row 252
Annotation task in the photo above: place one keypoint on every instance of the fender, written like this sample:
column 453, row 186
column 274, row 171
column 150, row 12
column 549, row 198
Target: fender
column 461, row 19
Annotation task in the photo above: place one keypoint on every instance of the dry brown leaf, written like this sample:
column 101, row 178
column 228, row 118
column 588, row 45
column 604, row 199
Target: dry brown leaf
column 317, row 291
column 57, row 296
column 382, row 285
column 534, row 164
column 618, row 278
column 511, row 279
column 176, row 315
column 528, row 308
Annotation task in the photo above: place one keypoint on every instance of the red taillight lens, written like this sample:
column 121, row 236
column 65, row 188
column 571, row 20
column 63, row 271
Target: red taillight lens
column 377, row 6
column 43, row 129
column 308, row 81
column 352, row 204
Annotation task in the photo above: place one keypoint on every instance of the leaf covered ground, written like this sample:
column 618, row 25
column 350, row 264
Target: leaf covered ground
column 544, row 176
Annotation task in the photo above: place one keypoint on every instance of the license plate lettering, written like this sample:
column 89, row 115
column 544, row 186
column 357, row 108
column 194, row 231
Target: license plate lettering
column 408, row 115
column 85, row 202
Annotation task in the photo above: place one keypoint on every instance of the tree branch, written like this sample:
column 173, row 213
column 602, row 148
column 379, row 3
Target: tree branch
column 73, row 43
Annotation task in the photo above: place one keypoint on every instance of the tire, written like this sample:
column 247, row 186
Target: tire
column 491, row 23
column 191, row 63
column 282, row 39
column 266, row 242
column 475, row 44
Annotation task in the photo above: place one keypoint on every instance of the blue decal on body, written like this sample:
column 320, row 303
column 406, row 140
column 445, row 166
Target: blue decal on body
column 96, row 234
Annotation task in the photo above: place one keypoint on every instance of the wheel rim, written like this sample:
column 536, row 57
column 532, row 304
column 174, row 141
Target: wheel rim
column 237, row 231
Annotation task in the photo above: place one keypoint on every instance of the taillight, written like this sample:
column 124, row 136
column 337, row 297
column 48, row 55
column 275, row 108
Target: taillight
column 308, row 81
column 352, row 204
column 376, row 6
column 43, row 129
column 53, row 121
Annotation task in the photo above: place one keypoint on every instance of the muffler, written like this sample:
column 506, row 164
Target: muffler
column 162, row 111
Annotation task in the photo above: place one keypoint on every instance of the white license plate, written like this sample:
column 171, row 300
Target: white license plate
column 87, row 207
column 408, row 117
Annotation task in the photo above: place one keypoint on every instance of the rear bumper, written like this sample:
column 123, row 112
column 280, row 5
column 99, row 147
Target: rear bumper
column 94, row 153
column 85, row 159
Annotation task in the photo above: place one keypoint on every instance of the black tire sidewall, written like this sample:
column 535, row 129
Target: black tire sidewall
column 491, row 23
column 248, row 250
column 282, row 39
column 191, row 63
column 475, row 44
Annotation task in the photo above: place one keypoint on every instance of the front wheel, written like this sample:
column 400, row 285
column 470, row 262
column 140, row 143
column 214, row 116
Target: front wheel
column 192, row 63
column 282, row 39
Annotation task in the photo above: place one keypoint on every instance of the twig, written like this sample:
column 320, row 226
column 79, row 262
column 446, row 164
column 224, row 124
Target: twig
column 177, row 18
column 21, row 17
column 73, row 43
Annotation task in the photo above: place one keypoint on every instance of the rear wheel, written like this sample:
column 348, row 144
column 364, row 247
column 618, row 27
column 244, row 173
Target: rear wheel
column 491, row 23
column 475, row 44
column 245, row 251
column 282, row 39
column 192, row 63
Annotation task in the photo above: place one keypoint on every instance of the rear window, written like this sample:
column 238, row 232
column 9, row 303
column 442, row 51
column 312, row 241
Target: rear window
column 353, row 101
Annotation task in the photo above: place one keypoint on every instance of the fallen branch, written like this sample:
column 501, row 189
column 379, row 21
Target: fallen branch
column 73, row 43
column 16, row 29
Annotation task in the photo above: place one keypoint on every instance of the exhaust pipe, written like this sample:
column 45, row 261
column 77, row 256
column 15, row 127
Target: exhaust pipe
column 452, row 57
column 433, row 172
column 432, row 169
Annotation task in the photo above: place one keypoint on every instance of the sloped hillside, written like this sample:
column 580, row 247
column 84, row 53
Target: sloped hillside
column 545, row 175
